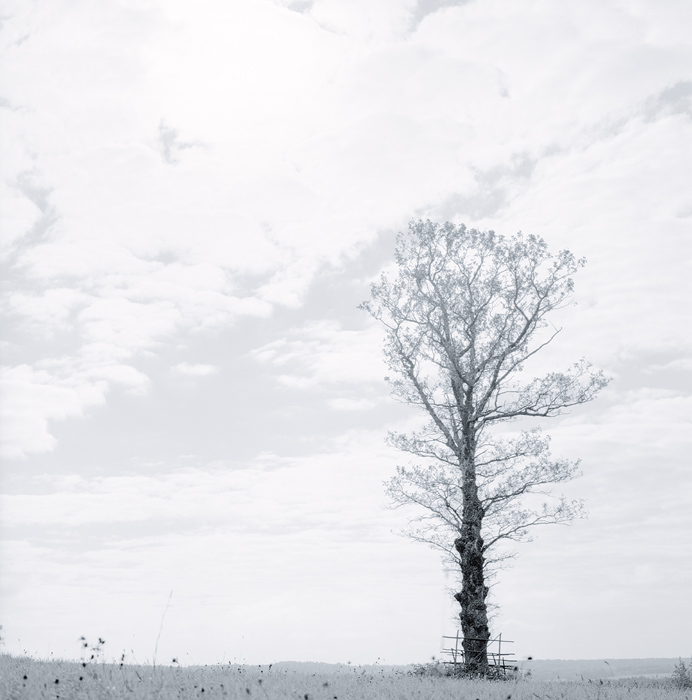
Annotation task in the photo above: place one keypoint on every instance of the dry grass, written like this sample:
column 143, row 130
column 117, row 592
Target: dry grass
column 25, row 678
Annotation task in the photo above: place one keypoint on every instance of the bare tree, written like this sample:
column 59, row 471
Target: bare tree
column 465, row 311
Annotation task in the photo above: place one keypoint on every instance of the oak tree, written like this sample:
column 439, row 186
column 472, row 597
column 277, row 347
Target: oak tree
column 463, row 313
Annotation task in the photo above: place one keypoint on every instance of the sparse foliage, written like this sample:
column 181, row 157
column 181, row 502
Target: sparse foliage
column 95, row 649
column 437, row 669
column 682, row 675
column 463, row 314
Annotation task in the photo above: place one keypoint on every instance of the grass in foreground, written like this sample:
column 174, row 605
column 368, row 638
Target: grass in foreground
column 25, row 678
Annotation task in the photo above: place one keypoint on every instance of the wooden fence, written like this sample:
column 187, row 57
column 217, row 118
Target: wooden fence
column 503, row 662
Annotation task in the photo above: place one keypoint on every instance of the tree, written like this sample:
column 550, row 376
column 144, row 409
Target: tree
column 463, row 314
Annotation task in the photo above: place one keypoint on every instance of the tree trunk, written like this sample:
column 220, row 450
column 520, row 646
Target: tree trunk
column 471, row 598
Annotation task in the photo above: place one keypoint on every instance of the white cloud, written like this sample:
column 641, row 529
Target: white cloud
column 346, row 404
column 46, row 312
column 17, row 216
column 31, row 397
column 640, row 421
column 362, row 20
column 321, row 353
column 197, row 370
column 53, row 391
column 682, row 365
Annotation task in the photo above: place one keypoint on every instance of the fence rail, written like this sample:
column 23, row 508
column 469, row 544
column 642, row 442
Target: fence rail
column 499, row 660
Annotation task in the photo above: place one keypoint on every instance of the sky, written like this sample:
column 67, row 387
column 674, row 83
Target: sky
column 195, row 200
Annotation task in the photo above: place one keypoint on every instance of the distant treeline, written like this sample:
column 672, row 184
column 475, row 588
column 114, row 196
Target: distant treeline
column 540, row 669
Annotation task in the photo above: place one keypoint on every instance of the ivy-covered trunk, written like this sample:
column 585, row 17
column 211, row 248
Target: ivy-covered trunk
column 471, row 598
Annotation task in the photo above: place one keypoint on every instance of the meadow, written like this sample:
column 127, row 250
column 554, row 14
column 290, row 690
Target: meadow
column 27, row 678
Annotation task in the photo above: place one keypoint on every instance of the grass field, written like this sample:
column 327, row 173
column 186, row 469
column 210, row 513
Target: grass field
column 26, row 678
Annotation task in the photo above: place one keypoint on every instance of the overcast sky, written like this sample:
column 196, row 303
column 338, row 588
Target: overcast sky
column 195, row 199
